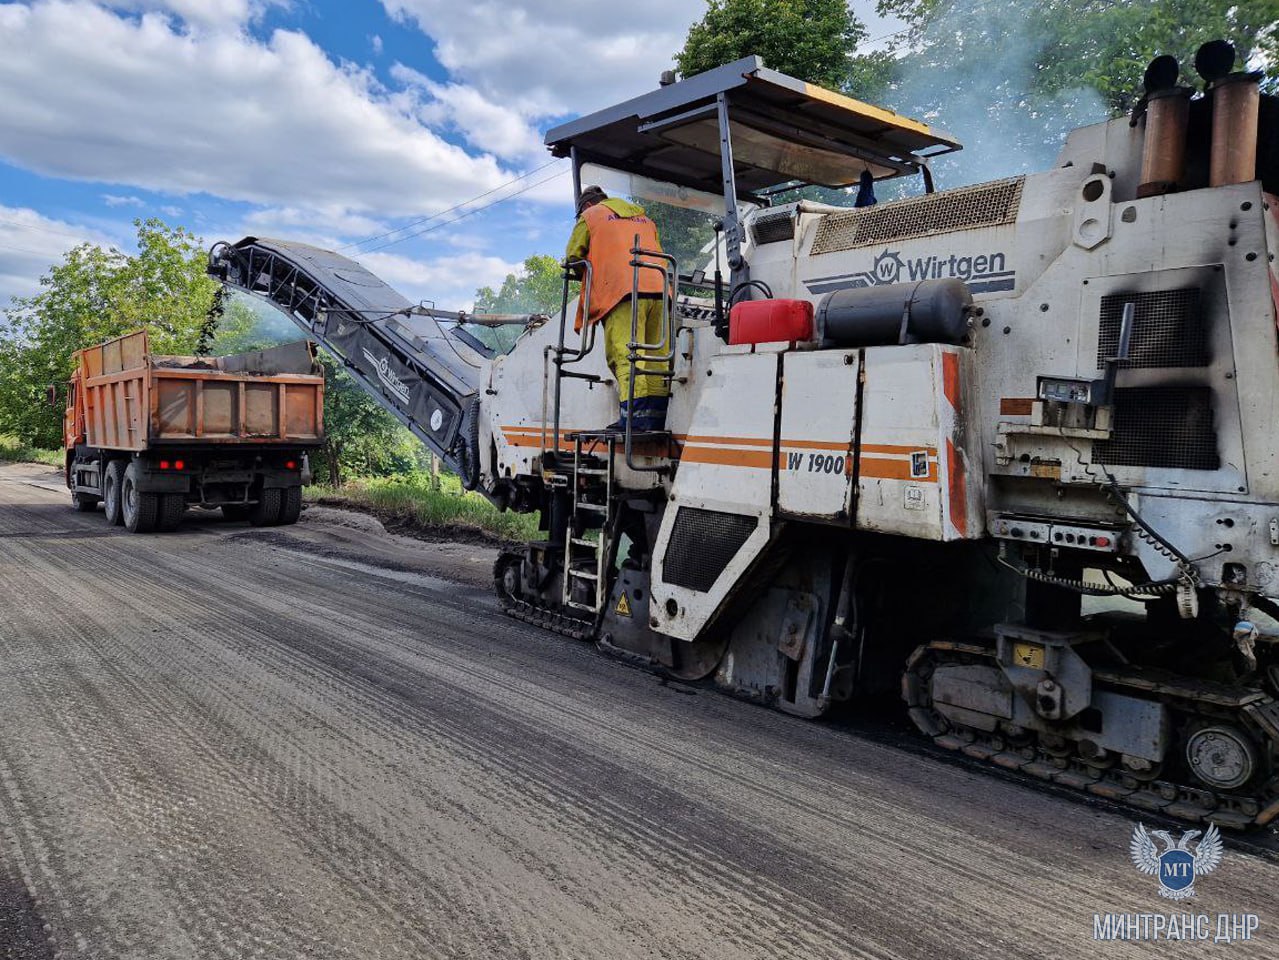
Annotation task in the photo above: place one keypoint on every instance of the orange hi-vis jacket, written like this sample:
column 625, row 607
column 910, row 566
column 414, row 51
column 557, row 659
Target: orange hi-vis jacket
column 611, row 238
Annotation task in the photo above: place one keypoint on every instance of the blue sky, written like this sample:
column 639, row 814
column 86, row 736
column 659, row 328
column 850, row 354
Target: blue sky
column 344, row 123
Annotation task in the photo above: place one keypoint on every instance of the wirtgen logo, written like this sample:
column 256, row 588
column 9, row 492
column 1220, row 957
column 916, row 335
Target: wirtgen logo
column 984, row 272
column 398, row 387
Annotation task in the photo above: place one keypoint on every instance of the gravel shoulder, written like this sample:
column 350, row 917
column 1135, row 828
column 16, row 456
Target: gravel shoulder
column 325, row 741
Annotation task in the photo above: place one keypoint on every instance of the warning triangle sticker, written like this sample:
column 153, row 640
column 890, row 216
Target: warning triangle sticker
column 623, row 608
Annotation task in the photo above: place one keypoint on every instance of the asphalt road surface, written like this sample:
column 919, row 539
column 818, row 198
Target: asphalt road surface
column 227, row 742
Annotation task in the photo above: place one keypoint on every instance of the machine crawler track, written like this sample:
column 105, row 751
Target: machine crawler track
column 1057, row 764
column 1160, row 790
column 572, row 627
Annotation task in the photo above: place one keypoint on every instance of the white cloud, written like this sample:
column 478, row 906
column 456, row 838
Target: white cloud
column 171, row 211
column 450, row 281
column 205, row 13
column 489, row 126
column 182, row 112
column 375, row 42
column 547, row 58
column 328, row 223
column 30, row 243
column 115, row 200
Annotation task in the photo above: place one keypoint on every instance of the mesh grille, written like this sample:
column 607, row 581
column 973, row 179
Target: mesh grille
column 702, row 544
column 1168, row 329
column 984, row 205
column 1167, row 427
column 772, row 227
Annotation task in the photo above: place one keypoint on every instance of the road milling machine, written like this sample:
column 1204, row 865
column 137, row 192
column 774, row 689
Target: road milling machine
column 1007, row 450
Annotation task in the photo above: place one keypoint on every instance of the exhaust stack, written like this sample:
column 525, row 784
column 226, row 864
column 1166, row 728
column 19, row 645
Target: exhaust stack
column 1163, row 156
column 1236, row 106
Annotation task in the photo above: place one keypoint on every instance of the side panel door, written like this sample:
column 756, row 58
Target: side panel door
column 818, row 429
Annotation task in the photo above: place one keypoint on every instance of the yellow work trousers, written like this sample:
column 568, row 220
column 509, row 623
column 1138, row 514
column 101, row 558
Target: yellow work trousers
column 617, row 336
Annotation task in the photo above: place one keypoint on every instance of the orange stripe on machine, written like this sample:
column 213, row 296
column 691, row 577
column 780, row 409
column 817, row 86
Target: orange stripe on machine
column 882, row 461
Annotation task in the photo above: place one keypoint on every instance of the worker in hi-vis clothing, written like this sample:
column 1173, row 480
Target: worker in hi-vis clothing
column 603, row 236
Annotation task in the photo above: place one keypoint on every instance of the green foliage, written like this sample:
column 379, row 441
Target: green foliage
column 1011, row 79
column 360, row 438
column 538, row 287
column 1100, row 45
column 95, row 294
column 808, row 39
column 15, row 451
column 423, row 502
column 683, row 232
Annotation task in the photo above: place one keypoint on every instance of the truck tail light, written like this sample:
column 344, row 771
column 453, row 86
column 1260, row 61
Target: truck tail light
column 179, row 464
column 290, row 464
column 164, row 464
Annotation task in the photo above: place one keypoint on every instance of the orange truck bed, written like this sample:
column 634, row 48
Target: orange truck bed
column 148, row 436
column 129, row 399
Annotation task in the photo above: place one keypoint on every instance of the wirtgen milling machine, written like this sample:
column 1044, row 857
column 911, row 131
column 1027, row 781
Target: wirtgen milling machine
column 1009, row 448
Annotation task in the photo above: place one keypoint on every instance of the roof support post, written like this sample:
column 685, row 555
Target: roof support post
column 577, row 175
column 739, row 271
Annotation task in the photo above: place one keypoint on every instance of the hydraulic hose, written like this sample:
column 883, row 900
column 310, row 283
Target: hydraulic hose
column 469, row 448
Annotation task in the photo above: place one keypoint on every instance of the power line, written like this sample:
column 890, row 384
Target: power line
column 456, row 206
column 887, row 36
column 36, row 253
column 32, row 226
column 463, row 216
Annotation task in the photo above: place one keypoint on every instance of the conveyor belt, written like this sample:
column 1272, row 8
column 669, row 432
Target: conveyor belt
column 426, row 376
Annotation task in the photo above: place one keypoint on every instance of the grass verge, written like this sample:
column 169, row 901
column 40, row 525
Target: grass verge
column 411, row 504
column 14, row 450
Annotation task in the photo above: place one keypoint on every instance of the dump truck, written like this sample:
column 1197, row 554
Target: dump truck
column 149, row 435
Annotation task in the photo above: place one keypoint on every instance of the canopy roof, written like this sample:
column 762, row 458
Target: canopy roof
column 783, row 130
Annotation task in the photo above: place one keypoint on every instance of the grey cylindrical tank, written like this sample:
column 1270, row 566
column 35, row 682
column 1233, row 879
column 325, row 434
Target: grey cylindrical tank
column 934, row 311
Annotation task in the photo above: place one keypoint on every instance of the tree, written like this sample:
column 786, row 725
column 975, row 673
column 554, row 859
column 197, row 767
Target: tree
column 684, row 232
column 1099, row 45
column 809, row 39
column 95, row 294
column 359, row 436
column 538, row 287
column 1012, row 78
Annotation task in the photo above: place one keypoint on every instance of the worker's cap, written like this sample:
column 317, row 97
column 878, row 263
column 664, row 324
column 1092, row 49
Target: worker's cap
column 589, row 196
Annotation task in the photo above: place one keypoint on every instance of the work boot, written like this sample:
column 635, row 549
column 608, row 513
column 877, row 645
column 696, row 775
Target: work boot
column 649, row 415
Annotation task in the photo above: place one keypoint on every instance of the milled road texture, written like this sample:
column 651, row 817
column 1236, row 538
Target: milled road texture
column 236, row 743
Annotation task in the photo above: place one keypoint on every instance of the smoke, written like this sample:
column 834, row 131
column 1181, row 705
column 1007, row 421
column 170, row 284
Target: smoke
column 269, row 324
column 973, row 73
column 248, row 323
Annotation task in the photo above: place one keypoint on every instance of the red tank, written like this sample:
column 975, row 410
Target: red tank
column 770, row 321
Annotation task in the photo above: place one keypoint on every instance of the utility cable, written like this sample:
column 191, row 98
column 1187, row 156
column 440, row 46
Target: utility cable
column 456, row 206
column 463, row 215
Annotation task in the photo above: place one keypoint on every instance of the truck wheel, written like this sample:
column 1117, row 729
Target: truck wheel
column 112, row 481
column 290, row 505
column 141, row 510
column 235, row 511
column 173, row 506
column 84, row 502
column 266, row 512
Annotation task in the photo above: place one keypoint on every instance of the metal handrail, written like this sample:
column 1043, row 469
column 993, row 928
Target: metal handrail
column 565, row 356
column 670, row 273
